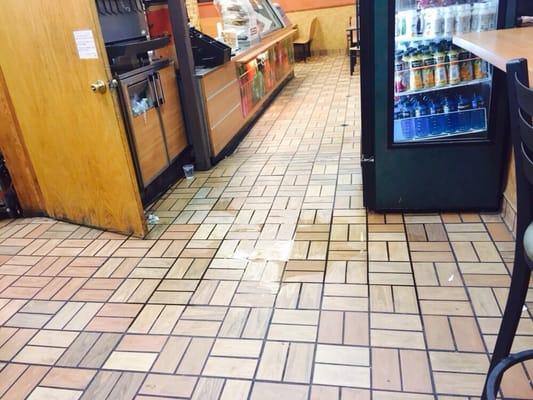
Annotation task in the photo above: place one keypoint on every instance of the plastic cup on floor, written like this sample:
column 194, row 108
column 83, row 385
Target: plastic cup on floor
column 188, row 170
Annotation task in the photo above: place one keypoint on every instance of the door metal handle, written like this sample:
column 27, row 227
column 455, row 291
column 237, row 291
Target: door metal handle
column 162, row 93
column 99, row 87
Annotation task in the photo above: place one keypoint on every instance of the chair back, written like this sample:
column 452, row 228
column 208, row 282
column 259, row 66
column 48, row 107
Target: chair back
column 521, row 113
column 312, row 28
column 524, row 98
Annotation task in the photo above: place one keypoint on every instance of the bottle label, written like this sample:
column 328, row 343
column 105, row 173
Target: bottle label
column 455, row 76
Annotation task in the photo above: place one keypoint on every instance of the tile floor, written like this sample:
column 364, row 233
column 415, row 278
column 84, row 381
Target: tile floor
column 264, row 279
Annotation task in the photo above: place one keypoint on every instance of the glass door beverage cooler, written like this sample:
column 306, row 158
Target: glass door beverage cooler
column 433, row 114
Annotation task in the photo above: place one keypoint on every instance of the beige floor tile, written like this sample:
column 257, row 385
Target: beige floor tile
column 237, row 348
column 42, row 393
column 341, row 375
column 397, row 339
column 459, row 362
column 236, row 390
column 230, row 367
column 395, row 321
column 272, row 361
column 299, row 363
column 39, row 355
column 292, row 333
column 343, row 355
column 386, row 369
column 276, row 391
column 459, row 383
column 298, row 317
column 168, row 385
column 130, row 361
column 416, row 373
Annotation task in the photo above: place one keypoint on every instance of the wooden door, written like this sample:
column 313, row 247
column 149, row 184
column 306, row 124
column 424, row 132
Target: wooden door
column 171, row 113
column 75, row 137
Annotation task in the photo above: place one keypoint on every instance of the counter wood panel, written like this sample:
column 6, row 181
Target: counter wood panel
column 222, row 94
column 222, row 103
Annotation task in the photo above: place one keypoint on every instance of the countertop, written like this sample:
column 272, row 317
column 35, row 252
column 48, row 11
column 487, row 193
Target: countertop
column 501, row 46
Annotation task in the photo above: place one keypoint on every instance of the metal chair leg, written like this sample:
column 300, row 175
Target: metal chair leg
column 513, row 311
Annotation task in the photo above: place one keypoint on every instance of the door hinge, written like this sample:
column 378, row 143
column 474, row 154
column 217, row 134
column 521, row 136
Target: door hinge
column 365, row 159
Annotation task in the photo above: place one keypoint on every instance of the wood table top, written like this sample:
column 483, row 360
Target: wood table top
column 501, row 46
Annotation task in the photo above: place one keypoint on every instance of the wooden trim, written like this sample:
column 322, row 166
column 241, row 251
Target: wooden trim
column 16, row 155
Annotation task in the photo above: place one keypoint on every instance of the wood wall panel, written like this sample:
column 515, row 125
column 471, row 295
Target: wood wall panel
column 18, row 161
column 219, row 104
column 74, row 137
column 149, row 145
column 226, row 130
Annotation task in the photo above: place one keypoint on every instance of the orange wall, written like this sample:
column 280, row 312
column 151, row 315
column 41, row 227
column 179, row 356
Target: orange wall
column 300, row 5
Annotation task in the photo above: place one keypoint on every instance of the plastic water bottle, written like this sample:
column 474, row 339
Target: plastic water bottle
column 451, row 117
column 437, row 119
column 422, row 128
column 465, row 115
column 407, row 122
column 478, row 113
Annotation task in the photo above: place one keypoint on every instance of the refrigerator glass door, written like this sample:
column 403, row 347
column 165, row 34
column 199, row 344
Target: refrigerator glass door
column 441, row 92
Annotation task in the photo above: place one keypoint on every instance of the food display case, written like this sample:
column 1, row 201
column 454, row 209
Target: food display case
column 236, row 93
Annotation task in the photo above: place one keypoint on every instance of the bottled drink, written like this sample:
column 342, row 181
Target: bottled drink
column 465, row 120
column 466, row 71
column 400, row 78
column 416, row 81
column 419, row 22
column 410, row 23
column 454, row 75
column 449, row 21
column 478, row 115
column 479, row 69
column 428, row 73
column 441, row 75
column 437, row 121
column 433, row 22
column 407, row 122
column 450, row 110
column 475, row 23
column 462, row 19
column 492, row 16
column 422, row 127
column 487, row 17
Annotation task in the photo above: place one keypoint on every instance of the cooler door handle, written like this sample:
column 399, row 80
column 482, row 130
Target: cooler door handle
column 151, row 79
column 161, row 95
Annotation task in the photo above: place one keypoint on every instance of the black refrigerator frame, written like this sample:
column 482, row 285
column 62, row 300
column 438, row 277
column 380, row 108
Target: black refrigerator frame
column 448, row 175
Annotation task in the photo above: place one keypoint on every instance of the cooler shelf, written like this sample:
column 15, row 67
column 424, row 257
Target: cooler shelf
column 425, row 128
column 434, row 89
column 403, row 39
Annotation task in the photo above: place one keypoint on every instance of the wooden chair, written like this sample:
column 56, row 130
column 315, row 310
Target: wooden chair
column 303, row 42
column 521, row 108
column 354, row 40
